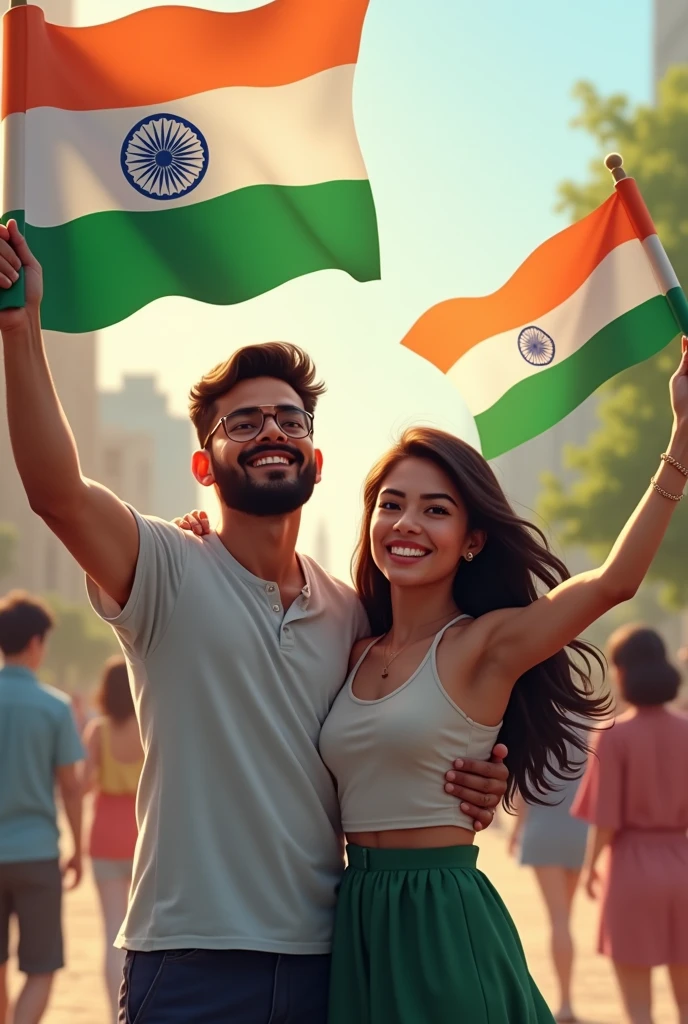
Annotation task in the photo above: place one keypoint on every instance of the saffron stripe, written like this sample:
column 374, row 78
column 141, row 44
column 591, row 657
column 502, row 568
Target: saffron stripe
column 166, row 53
column 617, row 285
column 547, row 278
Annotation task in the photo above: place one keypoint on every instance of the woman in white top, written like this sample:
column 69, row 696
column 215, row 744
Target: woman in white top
column 474, row 624
column 472, row 616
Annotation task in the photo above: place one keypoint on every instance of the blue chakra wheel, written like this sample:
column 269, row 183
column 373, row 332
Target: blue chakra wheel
column 536, row 346
column 164, row 156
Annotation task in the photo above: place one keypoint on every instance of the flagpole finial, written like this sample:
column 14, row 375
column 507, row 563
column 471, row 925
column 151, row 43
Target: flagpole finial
column 614, row 163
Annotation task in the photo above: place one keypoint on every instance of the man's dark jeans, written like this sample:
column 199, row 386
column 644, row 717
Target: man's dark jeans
column 206, row 986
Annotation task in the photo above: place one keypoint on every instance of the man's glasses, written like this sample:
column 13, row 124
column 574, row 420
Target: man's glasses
column 247, row 424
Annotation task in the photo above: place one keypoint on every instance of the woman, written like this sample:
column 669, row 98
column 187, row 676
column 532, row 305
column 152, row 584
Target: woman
column 113, row 766
column 552, row 842
column 634, row 794
column 465, row 647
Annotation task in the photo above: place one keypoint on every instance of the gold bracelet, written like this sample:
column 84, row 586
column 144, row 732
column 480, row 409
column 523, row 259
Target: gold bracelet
column 665, row 494
column 665, row 457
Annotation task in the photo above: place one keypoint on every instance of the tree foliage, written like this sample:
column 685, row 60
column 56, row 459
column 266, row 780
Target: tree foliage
column 78, row 646
column 8, row 548
column 610, row 472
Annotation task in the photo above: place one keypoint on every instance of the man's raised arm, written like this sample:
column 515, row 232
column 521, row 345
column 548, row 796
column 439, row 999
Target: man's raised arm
column 93, row 524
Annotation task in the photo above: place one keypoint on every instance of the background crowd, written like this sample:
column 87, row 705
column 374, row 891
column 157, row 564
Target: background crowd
column 631, row 797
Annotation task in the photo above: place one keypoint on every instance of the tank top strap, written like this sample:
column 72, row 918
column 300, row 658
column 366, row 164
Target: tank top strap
column 438, row 637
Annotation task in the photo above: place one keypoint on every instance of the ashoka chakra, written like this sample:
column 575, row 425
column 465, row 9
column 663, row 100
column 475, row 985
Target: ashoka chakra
column 536, row 346
column 164, row 156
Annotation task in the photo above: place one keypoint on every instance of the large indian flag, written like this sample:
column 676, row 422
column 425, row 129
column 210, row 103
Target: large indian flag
column 596, row 298
column 178, row 151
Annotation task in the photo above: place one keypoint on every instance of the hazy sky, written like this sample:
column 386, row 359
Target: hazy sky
column 463, row 113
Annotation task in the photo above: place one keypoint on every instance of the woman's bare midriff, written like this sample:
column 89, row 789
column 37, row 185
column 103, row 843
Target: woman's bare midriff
column 413, row 838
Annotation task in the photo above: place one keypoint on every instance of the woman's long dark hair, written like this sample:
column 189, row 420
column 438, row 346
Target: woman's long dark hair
column 551, row 705
column 114, row 693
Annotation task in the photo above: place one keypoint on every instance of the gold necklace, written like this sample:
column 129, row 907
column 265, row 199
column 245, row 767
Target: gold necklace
column 387, row 663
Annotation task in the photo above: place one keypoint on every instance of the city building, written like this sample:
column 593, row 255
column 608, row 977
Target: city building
column 127, row 466
column 58, row 11
column 670, row 36
column 321, row 546
column 126, row 440
column 520, row 471
column 42, row 564
column 139, row 408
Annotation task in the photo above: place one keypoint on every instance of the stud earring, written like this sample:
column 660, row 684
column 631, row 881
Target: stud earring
column 469, row 556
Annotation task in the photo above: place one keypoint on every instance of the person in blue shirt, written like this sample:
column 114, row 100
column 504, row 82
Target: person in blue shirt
column 39, row 748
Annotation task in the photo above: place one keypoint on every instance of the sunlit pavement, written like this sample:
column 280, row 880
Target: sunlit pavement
column 79, row 998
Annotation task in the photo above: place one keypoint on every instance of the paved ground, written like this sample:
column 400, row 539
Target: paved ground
column 79, row 998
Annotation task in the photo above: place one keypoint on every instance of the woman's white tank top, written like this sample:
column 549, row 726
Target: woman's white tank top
column 389, row 756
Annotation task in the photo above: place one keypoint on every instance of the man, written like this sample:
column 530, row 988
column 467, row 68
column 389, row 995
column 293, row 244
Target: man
column 39, row 746
column 236, row 647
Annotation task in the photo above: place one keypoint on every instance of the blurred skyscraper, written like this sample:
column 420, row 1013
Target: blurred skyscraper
column 42, row 563
column 670, row 36
column 138, row 408
column 58, row 11
column 322, row 552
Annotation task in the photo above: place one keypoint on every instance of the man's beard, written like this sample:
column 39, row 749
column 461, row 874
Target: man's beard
column 276, row 496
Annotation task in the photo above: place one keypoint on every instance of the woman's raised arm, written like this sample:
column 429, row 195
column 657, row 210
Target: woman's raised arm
column 520, row 638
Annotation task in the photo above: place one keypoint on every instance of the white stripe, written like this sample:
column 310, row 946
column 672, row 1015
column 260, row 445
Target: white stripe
column 13, row 170
column 622, row 281
column 659, row 261
column 297, row 134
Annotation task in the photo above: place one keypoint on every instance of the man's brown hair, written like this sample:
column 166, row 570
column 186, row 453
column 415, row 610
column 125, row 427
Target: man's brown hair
column 22, row 617
column 276, row 359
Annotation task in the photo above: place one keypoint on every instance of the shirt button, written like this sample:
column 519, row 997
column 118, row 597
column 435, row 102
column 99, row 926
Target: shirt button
column 275, row 607
column 286, row 631
column 270, row 588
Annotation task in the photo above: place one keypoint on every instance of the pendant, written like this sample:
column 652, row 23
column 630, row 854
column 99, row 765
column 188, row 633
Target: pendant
column 385, row 673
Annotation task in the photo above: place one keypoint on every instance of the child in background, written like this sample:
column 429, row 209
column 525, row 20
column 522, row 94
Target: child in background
column 635, row 796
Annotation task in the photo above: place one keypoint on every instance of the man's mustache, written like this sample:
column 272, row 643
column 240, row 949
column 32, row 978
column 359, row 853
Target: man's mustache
column 273, row 449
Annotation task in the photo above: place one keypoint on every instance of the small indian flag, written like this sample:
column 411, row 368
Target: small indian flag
column 593, row 300
column 178, row 151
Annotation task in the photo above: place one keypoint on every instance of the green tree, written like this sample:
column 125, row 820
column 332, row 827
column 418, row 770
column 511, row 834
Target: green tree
column 609, row 473
column 78, row 646
column 8, row 548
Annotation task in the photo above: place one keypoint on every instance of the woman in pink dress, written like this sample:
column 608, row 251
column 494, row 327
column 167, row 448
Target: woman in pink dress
column 635, row 794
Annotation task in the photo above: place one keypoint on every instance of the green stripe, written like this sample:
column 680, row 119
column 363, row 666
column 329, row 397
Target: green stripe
column 679, row 307
column 538, row 402
column 100, row 269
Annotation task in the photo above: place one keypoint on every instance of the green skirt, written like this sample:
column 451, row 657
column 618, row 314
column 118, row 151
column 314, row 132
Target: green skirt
column 421, row 937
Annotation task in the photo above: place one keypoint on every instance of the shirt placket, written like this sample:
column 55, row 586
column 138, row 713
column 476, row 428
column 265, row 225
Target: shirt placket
column 297, row 611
